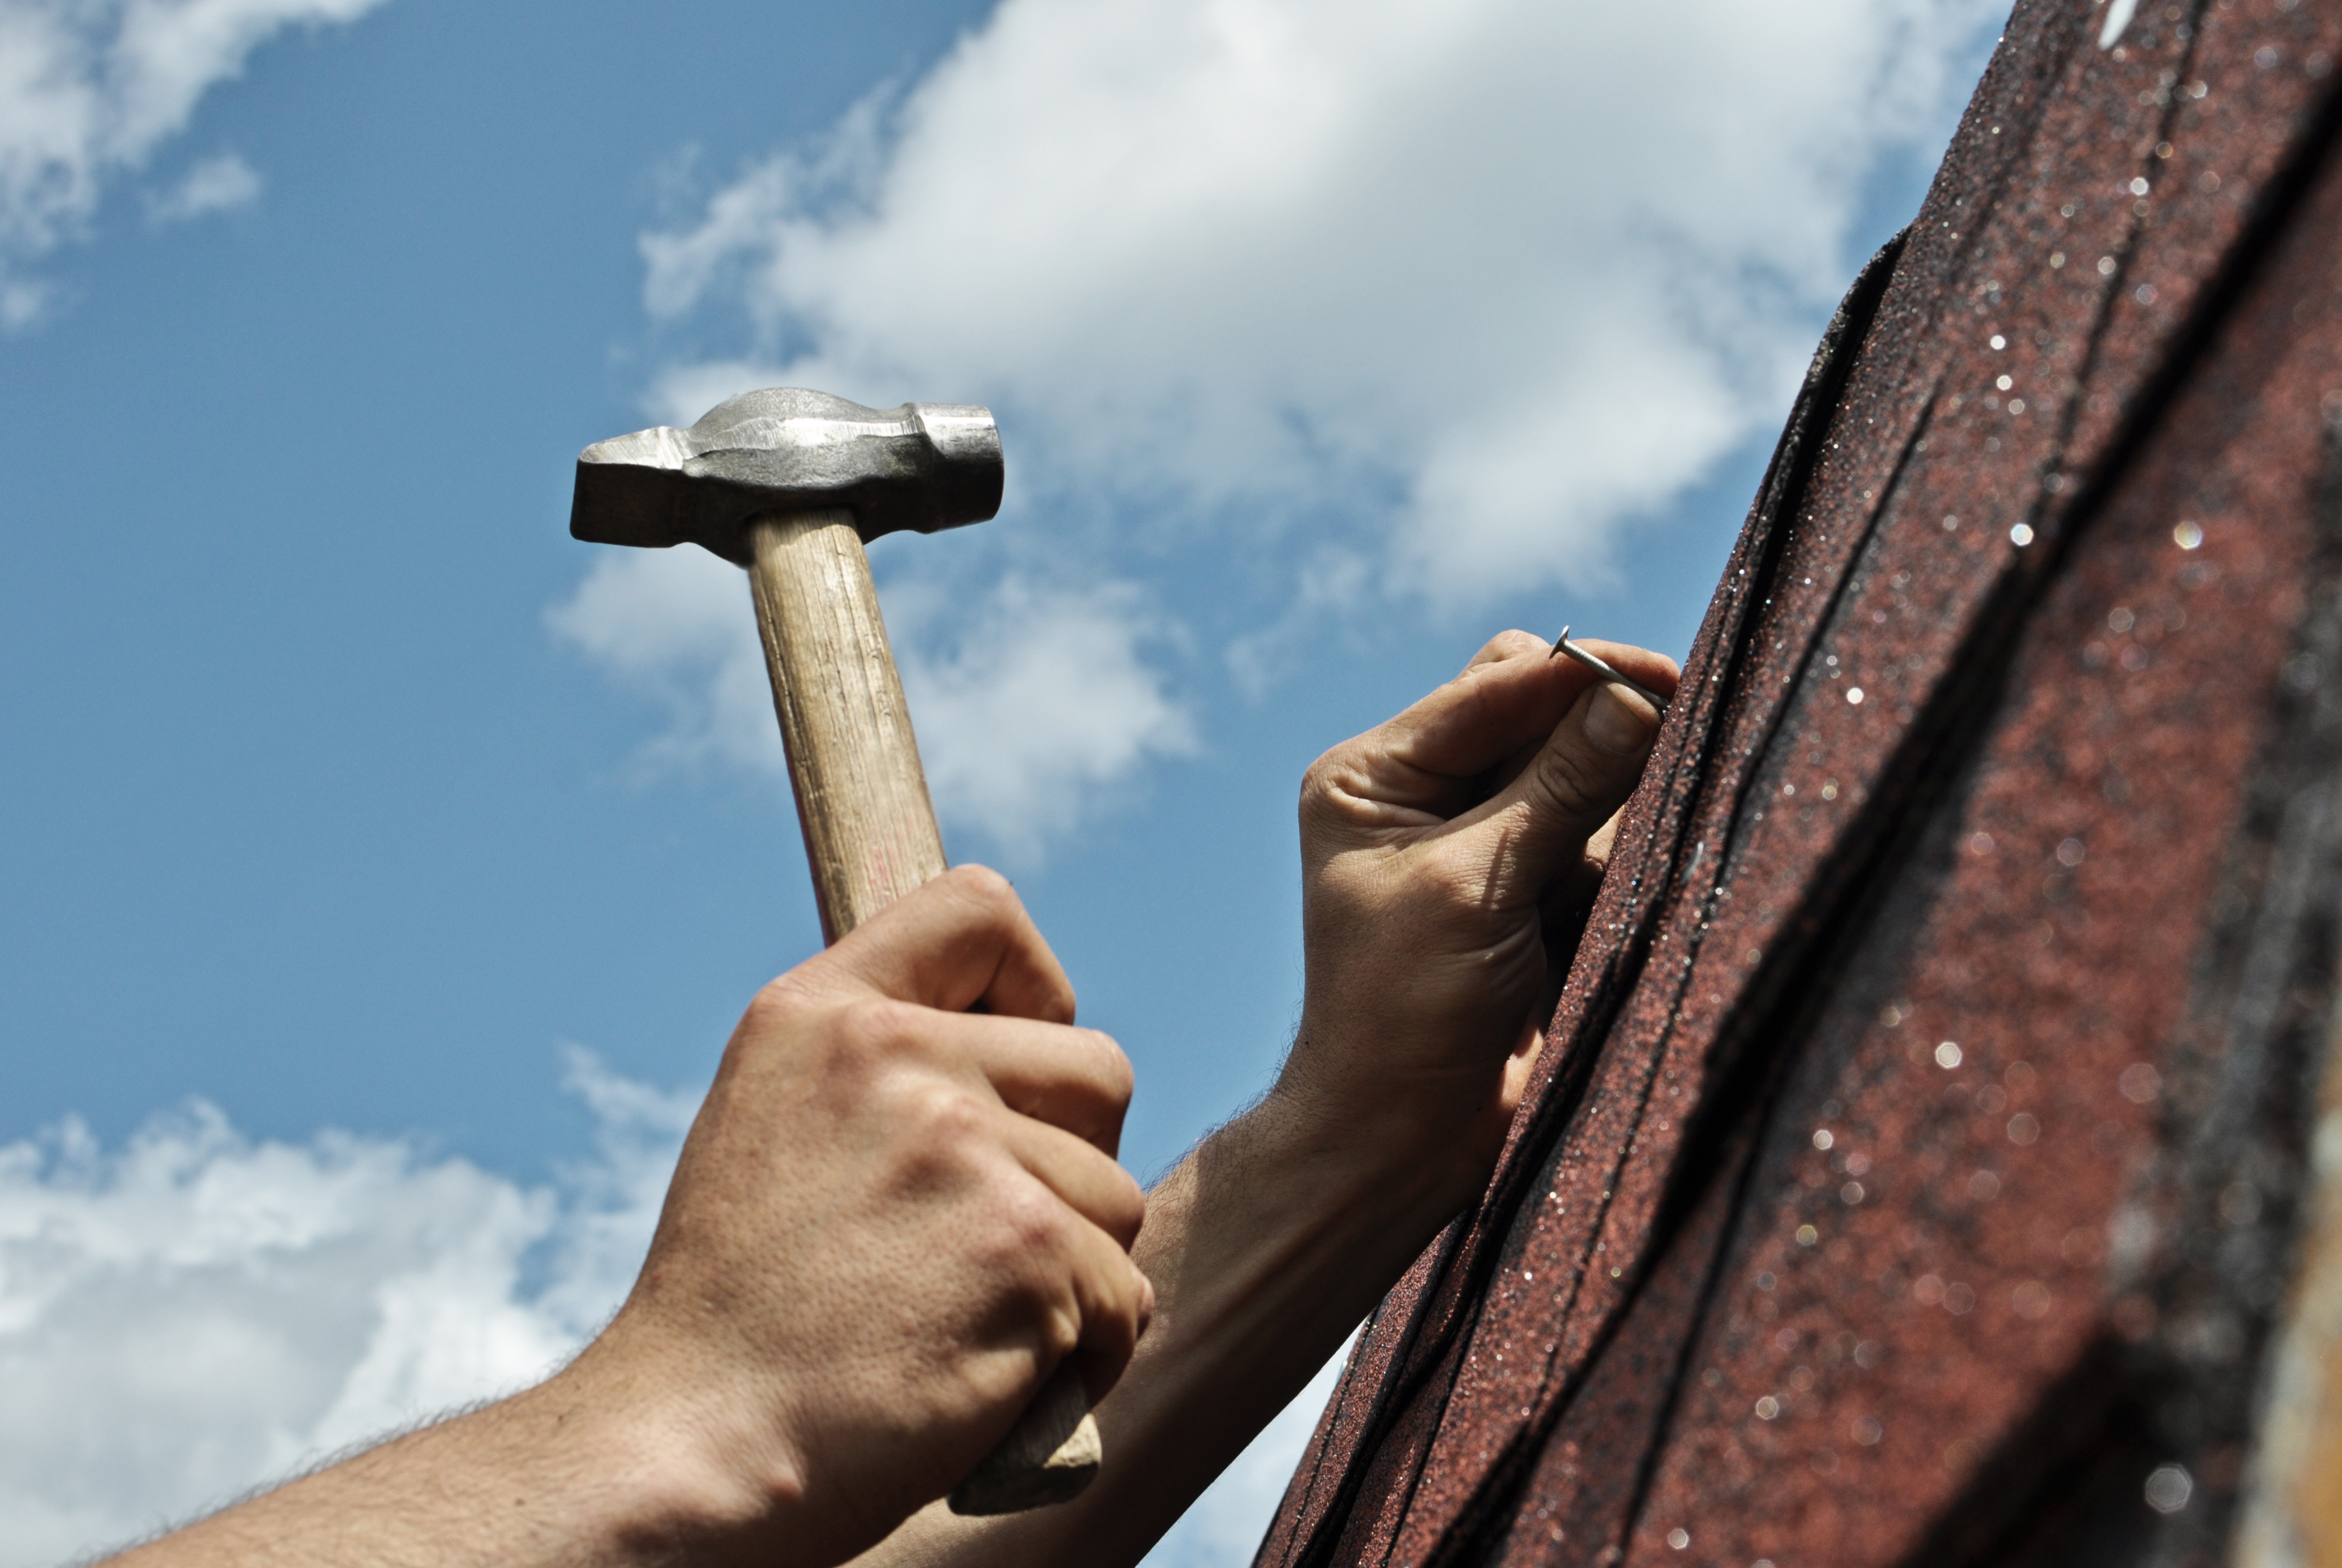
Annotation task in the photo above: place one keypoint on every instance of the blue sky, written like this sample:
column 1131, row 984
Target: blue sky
column 348, row 800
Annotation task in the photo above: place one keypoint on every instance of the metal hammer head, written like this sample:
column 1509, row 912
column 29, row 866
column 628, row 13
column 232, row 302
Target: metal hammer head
column 923, row 466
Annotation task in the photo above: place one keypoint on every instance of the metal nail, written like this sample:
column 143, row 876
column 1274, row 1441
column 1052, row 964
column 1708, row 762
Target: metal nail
column 1562, row 645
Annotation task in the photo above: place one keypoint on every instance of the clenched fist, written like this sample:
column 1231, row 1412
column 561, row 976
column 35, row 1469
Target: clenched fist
column 893, row 1217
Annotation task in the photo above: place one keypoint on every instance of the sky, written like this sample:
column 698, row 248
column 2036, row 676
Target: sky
column 384, row 869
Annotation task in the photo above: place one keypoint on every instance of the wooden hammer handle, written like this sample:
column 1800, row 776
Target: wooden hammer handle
column 870, row 832
column 870, row 837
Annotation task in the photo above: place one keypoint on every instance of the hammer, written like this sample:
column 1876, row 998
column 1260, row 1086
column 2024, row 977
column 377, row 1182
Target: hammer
column 792, row 484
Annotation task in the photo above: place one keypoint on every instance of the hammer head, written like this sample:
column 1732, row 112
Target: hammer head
column 923, row 466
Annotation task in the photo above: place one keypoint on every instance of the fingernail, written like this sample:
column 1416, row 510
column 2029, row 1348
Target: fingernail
column 1620, row 723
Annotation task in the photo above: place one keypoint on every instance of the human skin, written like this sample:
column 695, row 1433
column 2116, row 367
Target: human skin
column 894, row 1215
column 1448, row 860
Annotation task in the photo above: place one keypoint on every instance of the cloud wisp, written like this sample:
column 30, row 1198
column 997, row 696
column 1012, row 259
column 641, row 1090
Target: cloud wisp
column 198, row 1313
column 217, row 185
column 90, row 91
column 1036, row 706
column 1031, row 705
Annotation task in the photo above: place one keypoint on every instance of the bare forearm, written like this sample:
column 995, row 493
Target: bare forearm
column 618, row 1461
column 1266, row 1248
column 540, row 1479
column 909, row 1118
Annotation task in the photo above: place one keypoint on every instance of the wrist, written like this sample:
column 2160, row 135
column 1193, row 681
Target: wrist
column 1361, row 1187
column 1414, row 1140
column 662, row 1465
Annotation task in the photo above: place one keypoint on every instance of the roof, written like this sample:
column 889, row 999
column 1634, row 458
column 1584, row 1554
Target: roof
column 1913, row 1172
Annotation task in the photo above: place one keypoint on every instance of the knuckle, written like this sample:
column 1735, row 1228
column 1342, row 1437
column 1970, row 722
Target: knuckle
column 1029, row 1231
column 1127, row 1207
column 786, row 1020
column 879, row 1029
column 945, row 1118
column 1318, row 782
column 1015, row 1248
column 991, row 893
column 1125, row 1300
column 1456, row 882
column 939, row 1148
column 1570, row 780
column 777, row 1002
column 1134, row 1304
column 1116, row 1074
column 1061, row 1327
column 1330, row 785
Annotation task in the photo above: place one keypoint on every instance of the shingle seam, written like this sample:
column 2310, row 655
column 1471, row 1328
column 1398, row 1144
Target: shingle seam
column 1782, row 505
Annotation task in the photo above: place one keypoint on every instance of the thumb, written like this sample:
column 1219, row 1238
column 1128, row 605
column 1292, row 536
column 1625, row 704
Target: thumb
column 1576, row 783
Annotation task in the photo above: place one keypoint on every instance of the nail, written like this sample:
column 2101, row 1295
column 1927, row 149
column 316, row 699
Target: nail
column 1562, row 645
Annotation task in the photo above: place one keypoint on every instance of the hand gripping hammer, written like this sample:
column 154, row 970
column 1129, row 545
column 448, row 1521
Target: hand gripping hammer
column 792, row 484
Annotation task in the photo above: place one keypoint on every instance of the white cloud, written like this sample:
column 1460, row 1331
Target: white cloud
column 90, row 88
column 1029, row 705
column 1039, row 704
column 218, row 185
column 198, row 1313
column 678, row 626
column 1495, row 275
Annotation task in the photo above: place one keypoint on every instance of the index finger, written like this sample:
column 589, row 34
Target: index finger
column 963, row 939
column 1078, row 1080
column 1504, row 706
